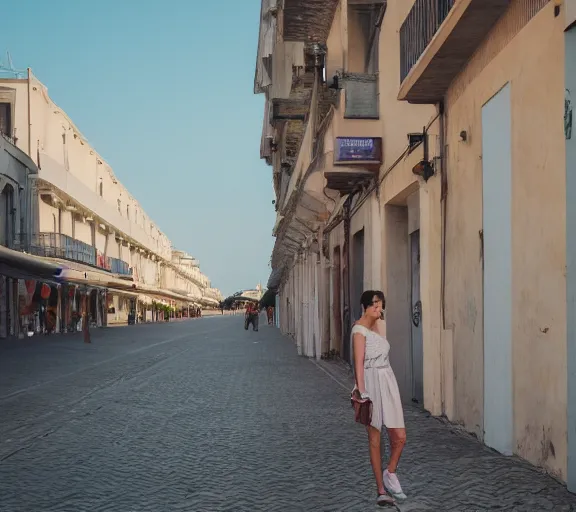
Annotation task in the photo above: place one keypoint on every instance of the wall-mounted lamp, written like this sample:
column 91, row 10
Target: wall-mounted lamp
column 335, row 84
column 423, row 169
column 415, row 138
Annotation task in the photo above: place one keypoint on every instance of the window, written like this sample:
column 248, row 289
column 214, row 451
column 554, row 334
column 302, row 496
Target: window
column 101, row 188
column 6, row 119
column 65, row 152
column 128, row 212
column 119, row 206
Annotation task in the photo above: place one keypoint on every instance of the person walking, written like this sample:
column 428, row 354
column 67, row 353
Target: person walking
column 270, row 314
column 251, row 316
column 375, row 381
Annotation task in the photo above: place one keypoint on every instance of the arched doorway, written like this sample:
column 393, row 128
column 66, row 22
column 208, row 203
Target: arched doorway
column 7, row 216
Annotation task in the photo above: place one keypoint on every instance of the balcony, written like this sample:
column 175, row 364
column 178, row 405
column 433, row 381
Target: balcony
column 437, row 38
column 56, row 245
column 119, row 267
column 308, row 20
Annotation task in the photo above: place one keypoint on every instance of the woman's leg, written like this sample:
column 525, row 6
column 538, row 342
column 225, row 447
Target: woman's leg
column 374, row 439
column 397, row 441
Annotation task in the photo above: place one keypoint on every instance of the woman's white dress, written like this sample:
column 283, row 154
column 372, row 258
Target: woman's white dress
column 380, row 381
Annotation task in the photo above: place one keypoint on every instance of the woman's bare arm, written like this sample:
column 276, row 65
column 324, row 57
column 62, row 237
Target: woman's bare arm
column 359, row 346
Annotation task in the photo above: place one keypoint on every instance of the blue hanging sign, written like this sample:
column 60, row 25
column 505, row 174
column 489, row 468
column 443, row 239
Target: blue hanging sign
column 358, row 149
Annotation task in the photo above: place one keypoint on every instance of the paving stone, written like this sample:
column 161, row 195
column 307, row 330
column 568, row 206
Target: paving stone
column 203, row 416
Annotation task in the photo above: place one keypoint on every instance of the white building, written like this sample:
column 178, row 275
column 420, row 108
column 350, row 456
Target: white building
column 87, row 220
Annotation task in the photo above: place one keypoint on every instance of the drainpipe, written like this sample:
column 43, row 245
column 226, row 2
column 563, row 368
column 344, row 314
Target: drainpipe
column 443, row 213
column 443, row 199
column 29, row 117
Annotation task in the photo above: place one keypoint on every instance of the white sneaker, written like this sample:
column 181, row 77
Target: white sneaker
column 393, row 486
column 384, row 500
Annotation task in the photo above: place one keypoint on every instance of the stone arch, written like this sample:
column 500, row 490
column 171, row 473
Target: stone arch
column 7, row 215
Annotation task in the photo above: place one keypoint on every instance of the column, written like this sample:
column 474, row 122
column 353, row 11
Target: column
column 430, row 286
column 59, row 310
column 570, row 63
column 317, row 320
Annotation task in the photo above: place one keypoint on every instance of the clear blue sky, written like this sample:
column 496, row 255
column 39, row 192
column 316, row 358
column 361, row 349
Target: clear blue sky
column 164, row 92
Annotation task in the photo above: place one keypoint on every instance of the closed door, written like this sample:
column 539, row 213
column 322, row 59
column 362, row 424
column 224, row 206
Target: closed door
column 497, row 259
column 337, row 297
column 357, row 274
column 417, row 346
column 346, row 313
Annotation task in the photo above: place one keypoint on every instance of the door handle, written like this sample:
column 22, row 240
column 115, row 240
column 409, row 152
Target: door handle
column 417, row 313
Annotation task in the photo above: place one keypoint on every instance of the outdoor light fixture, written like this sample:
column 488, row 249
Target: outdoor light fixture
column 423, row 169
column 415, row 138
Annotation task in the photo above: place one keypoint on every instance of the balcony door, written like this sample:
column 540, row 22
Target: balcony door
column 497, row 251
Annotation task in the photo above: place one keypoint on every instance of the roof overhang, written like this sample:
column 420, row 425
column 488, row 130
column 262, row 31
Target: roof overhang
column 308, row 20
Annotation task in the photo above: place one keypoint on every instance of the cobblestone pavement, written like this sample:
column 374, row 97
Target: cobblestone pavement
column 203, row 416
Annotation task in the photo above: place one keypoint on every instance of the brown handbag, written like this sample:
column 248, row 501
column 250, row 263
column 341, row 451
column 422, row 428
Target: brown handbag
column 362, row 408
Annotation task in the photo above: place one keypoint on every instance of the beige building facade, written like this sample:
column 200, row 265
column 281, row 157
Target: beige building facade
column 420, row 148
column 88, row 221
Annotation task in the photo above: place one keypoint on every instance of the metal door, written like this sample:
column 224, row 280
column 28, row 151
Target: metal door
column 417, row 345
column 337, row 298
column 357, row 274
column 497, row 254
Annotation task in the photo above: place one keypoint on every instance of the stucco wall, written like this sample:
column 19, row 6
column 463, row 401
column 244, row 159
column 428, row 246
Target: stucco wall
column 398, row 118
column 62, row 146
column 533, row 63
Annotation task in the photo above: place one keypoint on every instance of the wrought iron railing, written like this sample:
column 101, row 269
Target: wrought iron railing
column 56, row 245
column 418, row 29
column 118, row 266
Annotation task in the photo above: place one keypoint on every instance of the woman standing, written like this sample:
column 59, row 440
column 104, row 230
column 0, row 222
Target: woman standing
column 376, row 381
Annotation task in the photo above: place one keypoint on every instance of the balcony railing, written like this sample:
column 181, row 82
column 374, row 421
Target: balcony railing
column 418, row 29
column 56, row 245
column 120, row 267
column 361, row 94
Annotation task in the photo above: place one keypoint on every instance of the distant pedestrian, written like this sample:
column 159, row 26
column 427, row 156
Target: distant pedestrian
column 376, row 382
column 270, row 314
column 251, row 316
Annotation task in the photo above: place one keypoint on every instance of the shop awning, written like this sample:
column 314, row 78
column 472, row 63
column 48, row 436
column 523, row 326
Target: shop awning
column 78, row 273
column 157, row 292
column 19, row 265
